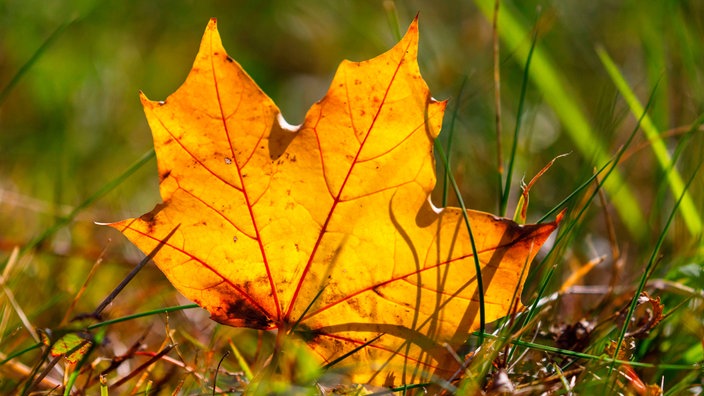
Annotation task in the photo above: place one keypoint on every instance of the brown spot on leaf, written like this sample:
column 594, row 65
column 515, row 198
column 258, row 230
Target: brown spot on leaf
column 150, row 218
column 164, row 175
column 250, row 316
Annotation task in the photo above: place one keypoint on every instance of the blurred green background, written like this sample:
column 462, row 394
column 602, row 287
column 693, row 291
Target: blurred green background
column 73, row 120
column 70, row 117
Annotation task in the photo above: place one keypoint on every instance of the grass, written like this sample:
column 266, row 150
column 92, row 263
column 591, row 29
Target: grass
column 75, row 149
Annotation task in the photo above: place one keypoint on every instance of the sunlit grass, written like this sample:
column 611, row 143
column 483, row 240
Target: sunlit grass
column 558, row 93
column 690, row 214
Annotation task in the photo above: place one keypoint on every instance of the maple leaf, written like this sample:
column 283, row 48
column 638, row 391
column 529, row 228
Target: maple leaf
column 328, row 225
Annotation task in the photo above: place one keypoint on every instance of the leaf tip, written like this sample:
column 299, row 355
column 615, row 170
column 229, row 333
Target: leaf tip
column 441, row 104
column 413, row 28
column 118, row 225
column 149, row 104
column 211, row 43
column 560, row 216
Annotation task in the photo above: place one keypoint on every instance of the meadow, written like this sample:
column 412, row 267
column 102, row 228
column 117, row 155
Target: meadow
column 618, row 86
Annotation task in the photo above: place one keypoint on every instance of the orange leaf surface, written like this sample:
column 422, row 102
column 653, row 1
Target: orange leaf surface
column 329, row 224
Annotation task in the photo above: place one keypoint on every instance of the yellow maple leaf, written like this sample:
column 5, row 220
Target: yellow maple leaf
column 327, row 225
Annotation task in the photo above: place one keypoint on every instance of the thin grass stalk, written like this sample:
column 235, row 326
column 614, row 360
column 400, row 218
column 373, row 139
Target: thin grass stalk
column 497, row 105
column 450, row 138
column 516, row 131
column 32, row 60
column 477, row 266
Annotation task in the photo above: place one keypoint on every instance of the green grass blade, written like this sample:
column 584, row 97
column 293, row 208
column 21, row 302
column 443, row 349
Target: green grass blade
column 32, row 60
column 20, row 352
column 327, row 366
column 588, row 356
column 687, row 208
column 142, row 314
column 244, row 366
column 556, row 90
column 477, row 266
column 450, row 139
column 519, row 116
column 103, row 385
